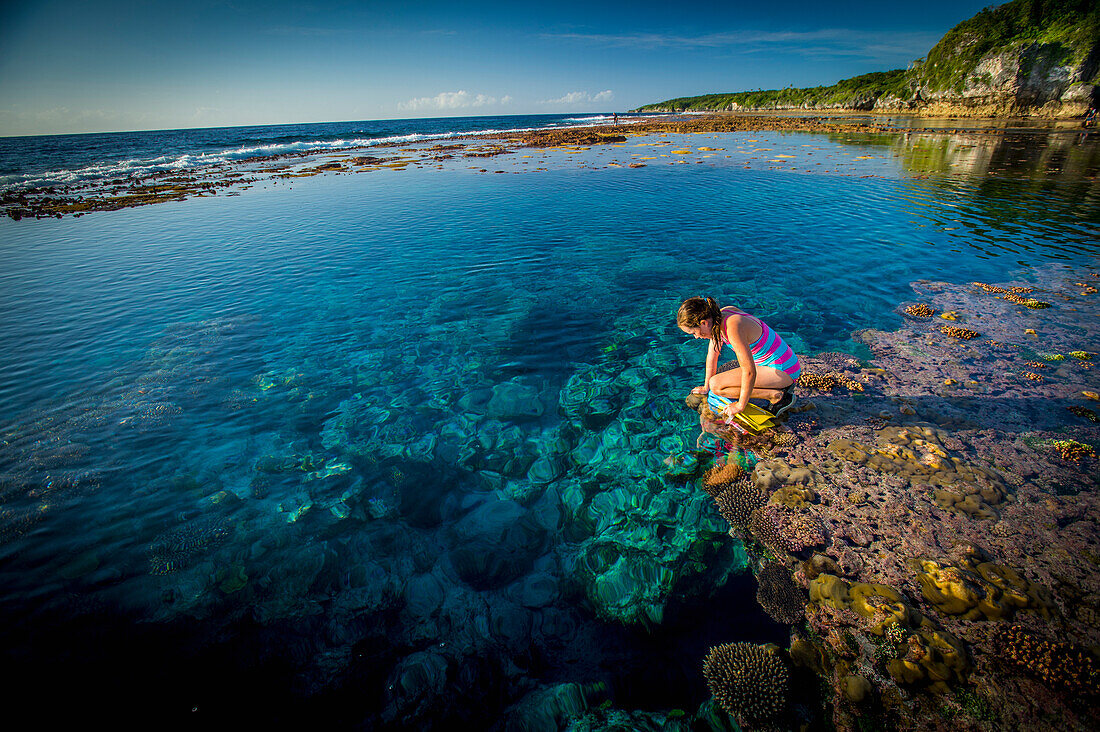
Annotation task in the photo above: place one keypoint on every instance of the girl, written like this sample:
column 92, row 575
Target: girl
column 768, row 367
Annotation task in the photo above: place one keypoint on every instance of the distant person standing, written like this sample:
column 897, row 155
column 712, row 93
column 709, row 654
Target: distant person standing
column 1090, row 118
column 615, row 118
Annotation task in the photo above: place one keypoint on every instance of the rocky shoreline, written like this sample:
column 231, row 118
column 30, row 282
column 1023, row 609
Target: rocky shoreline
column 79, row 199
column 927, row 521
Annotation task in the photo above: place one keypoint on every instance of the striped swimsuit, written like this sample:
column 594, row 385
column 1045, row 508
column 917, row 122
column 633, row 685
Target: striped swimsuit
column 769, row 349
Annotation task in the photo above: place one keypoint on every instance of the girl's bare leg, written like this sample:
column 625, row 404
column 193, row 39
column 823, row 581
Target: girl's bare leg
column 769, row 384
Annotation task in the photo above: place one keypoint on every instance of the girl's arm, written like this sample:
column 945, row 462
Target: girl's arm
column 712, row 368
column 736, row 328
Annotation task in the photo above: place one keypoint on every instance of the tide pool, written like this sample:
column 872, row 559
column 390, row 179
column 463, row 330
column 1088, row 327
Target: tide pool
column 396, row 445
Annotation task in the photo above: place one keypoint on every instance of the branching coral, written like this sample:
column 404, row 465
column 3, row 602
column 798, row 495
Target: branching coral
column 956, row 332
column 738, row 501
column 1083, row 412
column 828, row 381
column 778, row 594
column 1073, row 450
column 784, row 530
column 1028, row 302
column 721, row 477
column 1063, row 667
column 993, row 289
column 920, row 310
column 747, row 680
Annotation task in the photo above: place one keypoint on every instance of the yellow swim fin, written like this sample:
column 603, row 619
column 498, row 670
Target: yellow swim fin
column 755, row 419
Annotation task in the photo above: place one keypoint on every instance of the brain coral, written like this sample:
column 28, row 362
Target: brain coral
column 747, row 680
column 935, row 657
column 980, row 590
column 779, row 596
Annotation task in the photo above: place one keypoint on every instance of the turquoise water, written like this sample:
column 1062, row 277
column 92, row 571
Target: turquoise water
column 407, row 431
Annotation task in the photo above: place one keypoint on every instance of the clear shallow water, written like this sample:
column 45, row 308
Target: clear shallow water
column 380, row 440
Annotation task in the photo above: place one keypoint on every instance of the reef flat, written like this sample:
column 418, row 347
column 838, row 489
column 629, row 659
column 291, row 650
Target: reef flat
column 937, row 506
column 475, row 153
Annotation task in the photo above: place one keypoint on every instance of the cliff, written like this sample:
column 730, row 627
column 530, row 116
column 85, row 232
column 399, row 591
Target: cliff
column 1026, row 57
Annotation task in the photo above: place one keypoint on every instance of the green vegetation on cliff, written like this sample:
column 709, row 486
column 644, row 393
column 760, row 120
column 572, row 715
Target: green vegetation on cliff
column 855, row 93
column 1071, row 26
column 1060, row 32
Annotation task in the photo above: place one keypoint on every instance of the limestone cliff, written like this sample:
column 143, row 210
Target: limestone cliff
column 1026, row 57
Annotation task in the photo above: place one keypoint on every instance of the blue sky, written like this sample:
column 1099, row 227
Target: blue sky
column 68, row 66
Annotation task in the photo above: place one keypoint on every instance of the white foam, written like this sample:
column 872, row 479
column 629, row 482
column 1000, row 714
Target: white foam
column 137, row 168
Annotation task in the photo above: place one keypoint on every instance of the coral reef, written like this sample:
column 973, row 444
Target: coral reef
column 1064, row 667
column 778, row 595
column 827, row 381
column 785, row 530
column 737, row 502
column 960, row 333
column 976, row 589
column 721, row 477
column 749, row 681
column 1073, row 450
column 1028, row 302
column 920, row 310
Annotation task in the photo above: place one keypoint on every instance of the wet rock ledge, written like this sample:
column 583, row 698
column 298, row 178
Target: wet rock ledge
column 926, row 523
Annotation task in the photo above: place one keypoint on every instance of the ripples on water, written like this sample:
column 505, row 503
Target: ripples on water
column 382, row 432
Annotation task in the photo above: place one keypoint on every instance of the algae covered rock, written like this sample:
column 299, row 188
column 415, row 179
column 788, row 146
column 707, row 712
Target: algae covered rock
column 415, row 686
column 643, row 543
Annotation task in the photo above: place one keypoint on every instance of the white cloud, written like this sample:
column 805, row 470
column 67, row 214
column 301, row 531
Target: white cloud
column 452, row 100
column 580, row 97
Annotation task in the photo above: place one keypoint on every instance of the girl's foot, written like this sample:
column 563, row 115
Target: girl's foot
column 785, row 402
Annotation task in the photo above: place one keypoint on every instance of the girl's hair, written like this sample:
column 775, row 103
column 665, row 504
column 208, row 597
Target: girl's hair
column 694, row 310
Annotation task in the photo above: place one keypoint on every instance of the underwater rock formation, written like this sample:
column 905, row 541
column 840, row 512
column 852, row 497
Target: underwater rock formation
column 495, row 543
column 178, row 548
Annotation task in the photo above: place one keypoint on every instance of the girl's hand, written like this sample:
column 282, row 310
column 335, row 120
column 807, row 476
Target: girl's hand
column 700, row 389
column 732, row 409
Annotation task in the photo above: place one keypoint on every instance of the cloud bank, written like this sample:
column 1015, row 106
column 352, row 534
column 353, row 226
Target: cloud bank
column 580, row 97
column 445, row 101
